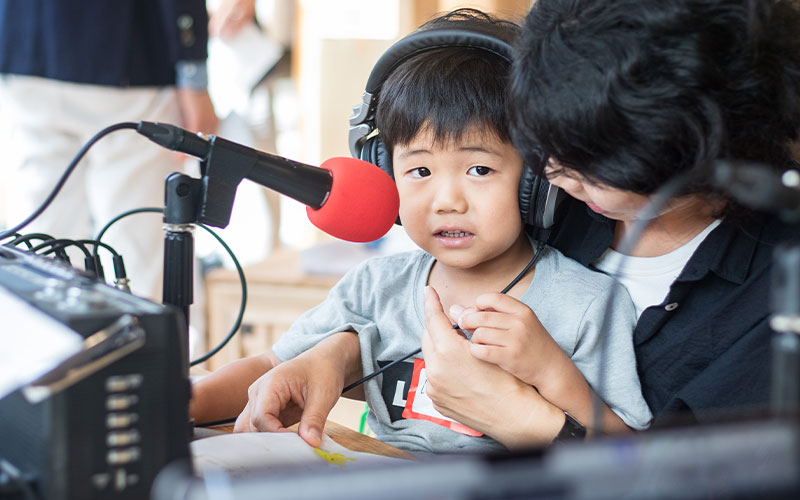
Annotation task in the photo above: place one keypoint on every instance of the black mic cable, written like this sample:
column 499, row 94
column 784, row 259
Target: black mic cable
column 60, row 184
column 43, row 237
column 57, row 244
column 240, row 315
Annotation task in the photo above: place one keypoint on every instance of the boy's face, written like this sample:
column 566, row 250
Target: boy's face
column 459, row 200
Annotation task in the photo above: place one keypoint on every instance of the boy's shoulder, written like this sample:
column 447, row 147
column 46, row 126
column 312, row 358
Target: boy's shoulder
column 571, row 272
column 396, row 263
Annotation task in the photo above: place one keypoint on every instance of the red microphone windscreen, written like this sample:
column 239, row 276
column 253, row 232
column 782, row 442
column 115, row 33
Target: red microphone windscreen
column 363, row 203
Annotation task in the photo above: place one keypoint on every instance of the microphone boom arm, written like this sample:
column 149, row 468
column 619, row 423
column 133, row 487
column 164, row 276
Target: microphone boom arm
column 224, row 168
column 223, row 165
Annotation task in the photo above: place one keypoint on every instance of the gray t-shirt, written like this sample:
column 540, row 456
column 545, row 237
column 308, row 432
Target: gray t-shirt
column 382, row 301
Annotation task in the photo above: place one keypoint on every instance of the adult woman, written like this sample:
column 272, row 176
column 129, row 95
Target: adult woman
column 625, row 95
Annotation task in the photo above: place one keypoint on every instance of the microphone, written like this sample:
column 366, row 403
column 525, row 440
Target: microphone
column 761, row 187
column 347, row 198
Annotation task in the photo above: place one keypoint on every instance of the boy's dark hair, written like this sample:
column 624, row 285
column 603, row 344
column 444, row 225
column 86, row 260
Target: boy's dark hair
column 448, row 89
column 629, row 93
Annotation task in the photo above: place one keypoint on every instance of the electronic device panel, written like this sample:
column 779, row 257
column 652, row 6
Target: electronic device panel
column 104, row 422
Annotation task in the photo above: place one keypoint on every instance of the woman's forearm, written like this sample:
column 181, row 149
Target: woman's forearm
column 565, row 387
column 526, row 420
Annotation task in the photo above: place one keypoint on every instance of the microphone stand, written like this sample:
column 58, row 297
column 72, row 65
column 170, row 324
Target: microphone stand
column 183, row 199
column 785, row 321
column 785, row 306
column 209, row 199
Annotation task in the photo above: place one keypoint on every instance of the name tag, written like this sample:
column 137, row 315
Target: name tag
column 419, row 405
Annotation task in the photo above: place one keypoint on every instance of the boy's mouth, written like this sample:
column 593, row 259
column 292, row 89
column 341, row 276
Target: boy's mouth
column 453, row 234
column 454, row 238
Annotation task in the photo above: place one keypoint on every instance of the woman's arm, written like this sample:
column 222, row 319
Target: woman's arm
column 507, row 333
column 492, row 400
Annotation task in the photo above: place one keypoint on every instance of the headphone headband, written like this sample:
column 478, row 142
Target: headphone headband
column 423, row 41
column 362, row 121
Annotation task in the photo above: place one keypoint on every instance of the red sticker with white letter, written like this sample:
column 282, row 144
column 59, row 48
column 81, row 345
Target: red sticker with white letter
column 419, row 405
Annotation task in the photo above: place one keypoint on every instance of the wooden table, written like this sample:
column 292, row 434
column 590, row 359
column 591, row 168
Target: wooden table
column 352, row 440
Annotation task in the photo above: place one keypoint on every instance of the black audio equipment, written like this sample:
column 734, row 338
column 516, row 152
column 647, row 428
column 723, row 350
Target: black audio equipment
column 108, row 419
column 737, row 460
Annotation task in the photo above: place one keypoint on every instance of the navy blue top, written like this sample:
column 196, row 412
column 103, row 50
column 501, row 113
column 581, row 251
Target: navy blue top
column 712, row 352
column 104, row 42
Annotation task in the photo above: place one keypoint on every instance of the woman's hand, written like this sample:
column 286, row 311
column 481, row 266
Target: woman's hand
column 508, row 334
column 480, row 394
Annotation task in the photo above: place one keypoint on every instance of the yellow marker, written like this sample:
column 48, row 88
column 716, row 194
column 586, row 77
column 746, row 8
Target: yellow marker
column 333, row 458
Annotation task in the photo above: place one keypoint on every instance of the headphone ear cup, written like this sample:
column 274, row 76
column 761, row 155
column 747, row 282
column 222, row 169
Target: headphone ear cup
column 543, row 207
column 528, row 193
column 538, row 200
column 374, row 151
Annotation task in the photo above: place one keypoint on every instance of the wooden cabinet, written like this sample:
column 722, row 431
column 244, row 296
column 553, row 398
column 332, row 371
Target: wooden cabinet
column 278, row 292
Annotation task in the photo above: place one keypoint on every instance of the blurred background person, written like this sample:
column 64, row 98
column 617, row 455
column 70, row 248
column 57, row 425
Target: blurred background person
column 69, row 68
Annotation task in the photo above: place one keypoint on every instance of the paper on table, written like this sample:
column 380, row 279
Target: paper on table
column 240, row 453
column 33, row 343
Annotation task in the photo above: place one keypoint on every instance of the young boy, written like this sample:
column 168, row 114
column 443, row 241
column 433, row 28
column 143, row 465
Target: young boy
column 442, row 117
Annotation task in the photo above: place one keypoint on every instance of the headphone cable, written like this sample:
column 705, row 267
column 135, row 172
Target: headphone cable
column 537, row 253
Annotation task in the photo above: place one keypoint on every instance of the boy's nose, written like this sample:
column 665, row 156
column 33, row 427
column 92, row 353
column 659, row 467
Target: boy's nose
column 449, row 197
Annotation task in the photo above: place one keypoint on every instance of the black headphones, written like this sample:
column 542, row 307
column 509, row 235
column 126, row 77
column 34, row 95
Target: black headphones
column 537, row 197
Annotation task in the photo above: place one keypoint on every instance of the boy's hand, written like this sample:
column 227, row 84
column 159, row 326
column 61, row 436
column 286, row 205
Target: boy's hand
column 303, row 389
column 296, row 390
column 507, row 333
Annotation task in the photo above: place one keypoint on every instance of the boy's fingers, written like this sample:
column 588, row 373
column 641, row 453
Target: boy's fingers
column 488, row 353
column 490, row 337
column 485, row 319
column 439, row 335
column 264, row 416
column 499, row 302
column 313, row 421
column 242, row 423
column 310, row 428
column 456, row 311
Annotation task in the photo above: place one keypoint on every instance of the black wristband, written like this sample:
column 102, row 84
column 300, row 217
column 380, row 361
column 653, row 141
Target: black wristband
column 572, row 430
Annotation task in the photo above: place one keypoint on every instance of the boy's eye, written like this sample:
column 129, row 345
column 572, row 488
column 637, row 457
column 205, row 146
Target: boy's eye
column 480, row 170
column 419, row 172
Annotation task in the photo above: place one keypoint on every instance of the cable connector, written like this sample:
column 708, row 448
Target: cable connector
column 175, row 138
